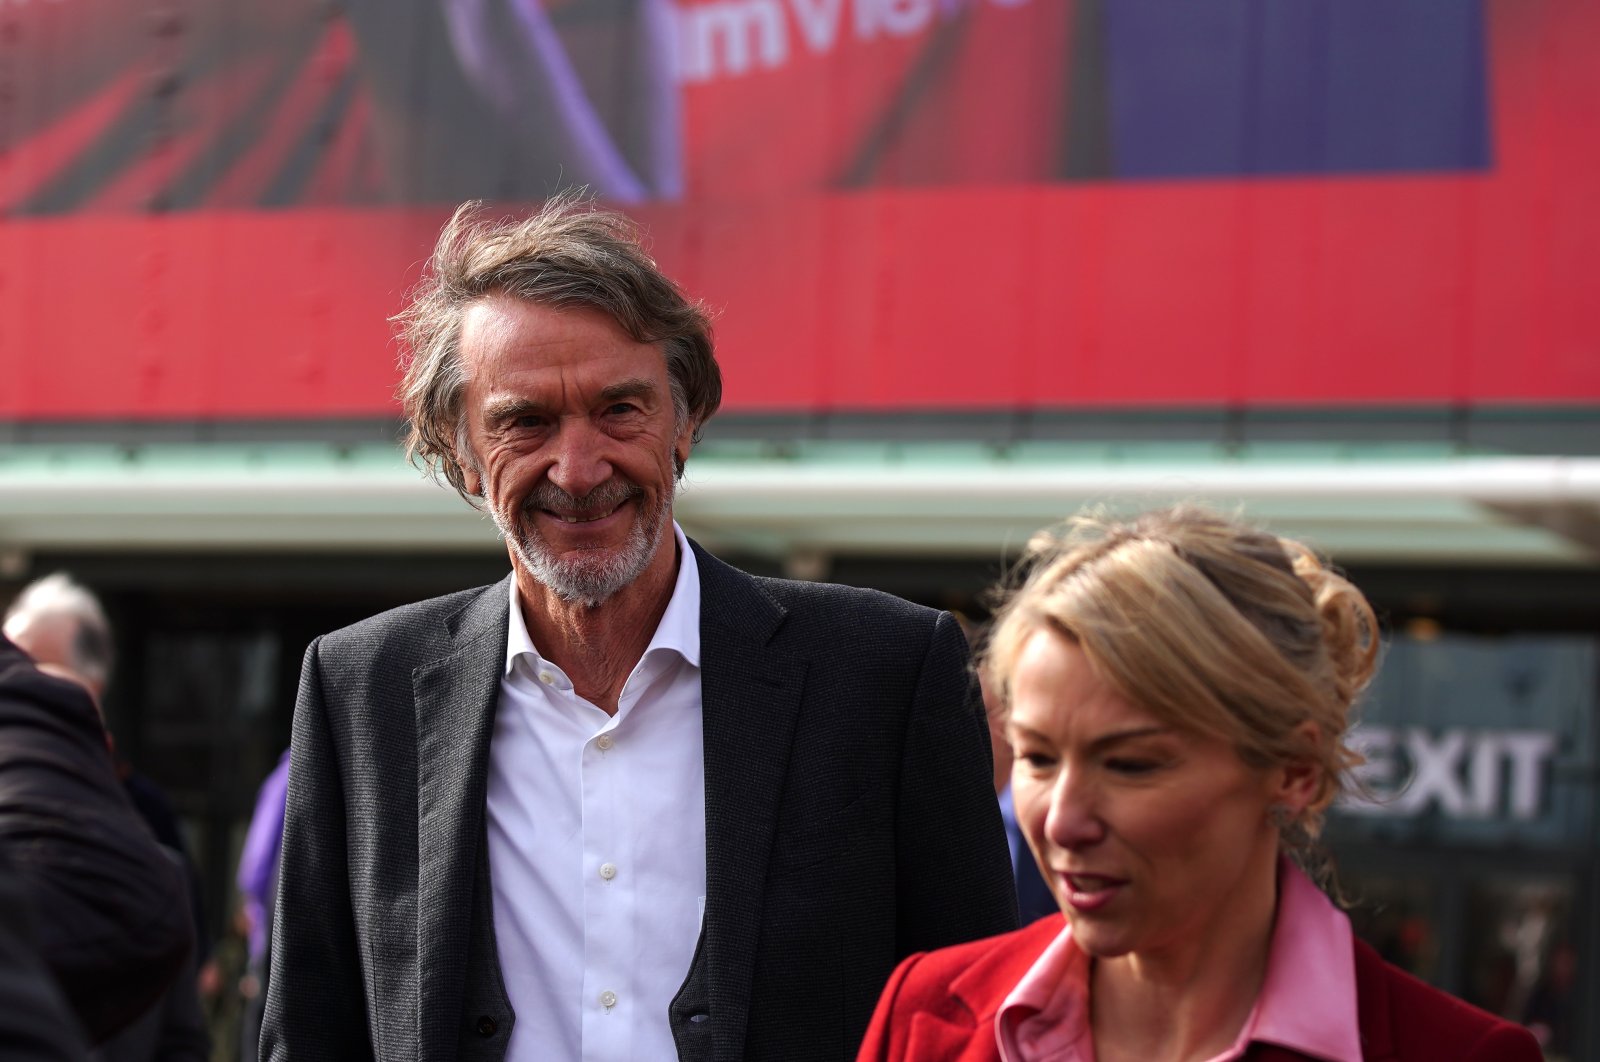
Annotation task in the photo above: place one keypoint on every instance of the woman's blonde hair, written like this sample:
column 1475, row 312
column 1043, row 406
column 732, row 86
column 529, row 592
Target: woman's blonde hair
column 1213, row 626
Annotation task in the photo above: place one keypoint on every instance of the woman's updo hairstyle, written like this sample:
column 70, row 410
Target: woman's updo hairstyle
column 1212, row 626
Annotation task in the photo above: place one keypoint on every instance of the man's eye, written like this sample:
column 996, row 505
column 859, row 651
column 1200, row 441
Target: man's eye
column 527, row 421
column 621, row 409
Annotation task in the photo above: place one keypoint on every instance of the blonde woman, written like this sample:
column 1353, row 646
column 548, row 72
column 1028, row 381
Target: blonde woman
column 1179, row 690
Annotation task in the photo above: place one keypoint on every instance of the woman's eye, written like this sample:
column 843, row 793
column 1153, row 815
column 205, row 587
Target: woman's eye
column 1131, row 766
column 1038, row 761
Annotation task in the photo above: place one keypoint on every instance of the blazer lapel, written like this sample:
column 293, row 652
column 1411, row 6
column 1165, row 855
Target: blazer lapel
column 455, row 701
column 750, row 696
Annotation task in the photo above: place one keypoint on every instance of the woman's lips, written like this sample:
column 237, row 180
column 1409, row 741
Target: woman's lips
column 1089, row 892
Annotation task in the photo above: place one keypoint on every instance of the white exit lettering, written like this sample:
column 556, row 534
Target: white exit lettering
column 1466, row 774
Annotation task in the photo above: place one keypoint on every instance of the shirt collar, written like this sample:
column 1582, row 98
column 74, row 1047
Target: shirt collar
column 1308, row 997
column 1307, row 1001
column 678, row 631
column 1047, row 1014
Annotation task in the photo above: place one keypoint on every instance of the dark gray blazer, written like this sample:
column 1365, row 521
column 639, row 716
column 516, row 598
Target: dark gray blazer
column 850, row 821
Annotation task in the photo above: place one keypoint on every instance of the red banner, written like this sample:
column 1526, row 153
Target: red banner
column 894, row 205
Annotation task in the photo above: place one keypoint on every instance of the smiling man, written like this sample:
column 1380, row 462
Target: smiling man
column 629, row 803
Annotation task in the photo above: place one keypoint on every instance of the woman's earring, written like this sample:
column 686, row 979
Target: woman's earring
column 1292, row 830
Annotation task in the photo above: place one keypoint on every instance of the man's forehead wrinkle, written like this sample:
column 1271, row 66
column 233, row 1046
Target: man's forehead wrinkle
column 637, row 387
column 505, row 401
column 492, row 330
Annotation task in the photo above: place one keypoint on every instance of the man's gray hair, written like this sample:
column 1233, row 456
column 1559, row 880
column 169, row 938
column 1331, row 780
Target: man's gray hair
column 92, row 647
column 569, row 254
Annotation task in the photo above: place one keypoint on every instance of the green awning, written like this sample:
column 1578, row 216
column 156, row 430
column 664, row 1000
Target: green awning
column 1361, row 503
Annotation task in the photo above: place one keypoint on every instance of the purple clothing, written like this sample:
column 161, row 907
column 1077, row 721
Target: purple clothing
column 258, row 862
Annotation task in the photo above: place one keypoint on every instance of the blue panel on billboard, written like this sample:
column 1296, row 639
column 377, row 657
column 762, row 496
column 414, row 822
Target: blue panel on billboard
column 1247, row 87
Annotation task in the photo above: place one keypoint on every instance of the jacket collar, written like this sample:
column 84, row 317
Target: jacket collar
column 745, row 677
column 983, row 986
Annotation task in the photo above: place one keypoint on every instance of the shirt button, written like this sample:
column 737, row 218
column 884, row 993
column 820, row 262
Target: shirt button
column 486, row 1026
column 608, row 999
column 547, row 677
column 608, row 871
column 604, row 742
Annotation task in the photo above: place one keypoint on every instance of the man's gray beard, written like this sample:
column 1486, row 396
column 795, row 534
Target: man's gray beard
column 586, row 580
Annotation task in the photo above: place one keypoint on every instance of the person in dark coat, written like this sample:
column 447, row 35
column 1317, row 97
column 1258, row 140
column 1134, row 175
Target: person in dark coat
column 36, row 1024
column 257, row 879
column 109, row 913
column 63, row 626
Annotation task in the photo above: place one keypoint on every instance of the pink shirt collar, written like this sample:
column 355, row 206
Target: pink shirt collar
column 1307, row 1001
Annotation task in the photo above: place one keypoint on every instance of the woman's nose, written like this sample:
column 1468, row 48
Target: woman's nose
column 1074, row 819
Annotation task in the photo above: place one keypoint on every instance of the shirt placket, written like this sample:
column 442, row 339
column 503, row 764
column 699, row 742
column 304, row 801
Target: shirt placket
column 608, row 995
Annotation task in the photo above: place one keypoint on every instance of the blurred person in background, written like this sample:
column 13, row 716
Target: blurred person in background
column 63, row 626
column 629, row 802
column 1034, row 900
column 257, row 880
column 1179, row 689
column 1551, row 1006
column 80, row 875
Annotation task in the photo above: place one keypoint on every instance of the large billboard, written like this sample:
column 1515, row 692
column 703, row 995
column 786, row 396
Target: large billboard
column 211, row 209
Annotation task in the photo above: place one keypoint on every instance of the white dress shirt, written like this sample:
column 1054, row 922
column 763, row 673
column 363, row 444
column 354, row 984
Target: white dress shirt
column 597, row 842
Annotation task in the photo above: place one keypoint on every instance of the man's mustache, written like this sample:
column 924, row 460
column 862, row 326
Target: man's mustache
column 608, row 495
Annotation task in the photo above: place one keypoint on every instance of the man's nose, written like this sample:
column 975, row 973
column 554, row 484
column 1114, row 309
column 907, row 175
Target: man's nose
column 1073, row 820
column 581, row 461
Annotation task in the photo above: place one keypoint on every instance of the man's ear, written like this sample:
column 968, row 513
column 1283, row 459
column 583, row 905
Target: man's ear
column 682, row 445
column 471, row 477
column 467, row 462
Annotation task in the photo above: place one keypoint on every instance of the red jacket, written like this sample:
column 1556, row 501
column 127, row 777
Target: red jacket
column 940, row 1007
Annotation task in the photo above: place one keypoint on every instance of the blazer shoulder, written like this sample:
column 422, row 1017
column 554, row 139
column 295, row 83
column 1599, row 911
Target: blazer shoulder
column 416, row 623
column 817, row 615
column 869, row 621
column 833, row 597
column 1418, row 1021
